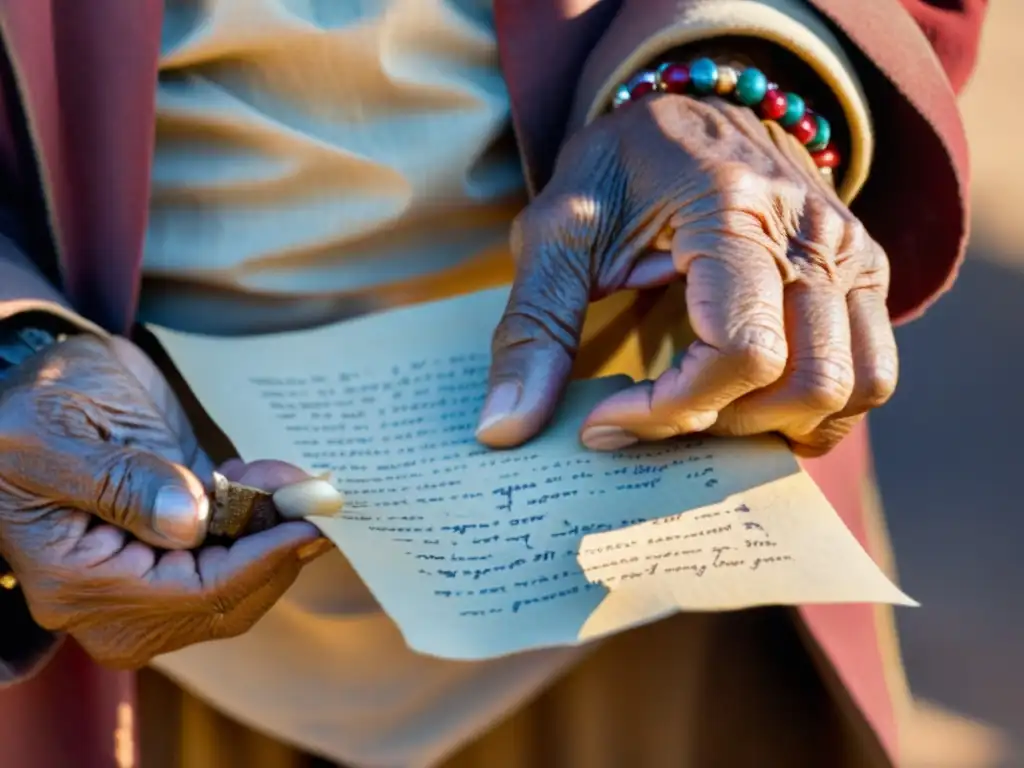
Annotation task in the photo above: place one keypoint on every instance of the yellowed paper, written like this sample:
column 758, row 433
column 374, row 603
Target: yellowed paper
column 477, row 553
column 747, row 550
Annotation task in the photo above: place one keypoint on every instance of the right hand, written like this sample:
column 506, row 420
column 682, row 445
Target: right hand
column 101, row 501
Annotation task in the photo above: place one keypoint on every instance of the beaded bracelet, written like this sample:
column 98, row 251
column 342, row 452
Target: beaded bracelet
column 749, row 87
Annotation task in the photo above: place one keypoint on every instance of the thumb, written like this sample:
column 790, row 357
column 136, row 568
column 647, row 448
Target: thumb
column 536, row 341
column 159, row 502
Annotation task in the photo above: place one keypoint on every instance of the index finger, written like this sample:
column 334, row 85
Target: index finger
column 535, row 342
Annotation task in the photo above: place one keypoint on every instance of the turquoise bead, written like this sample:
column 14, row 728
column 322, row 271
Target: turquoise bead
column 822, row 137
column 703, row 75
column 795, row 108
column 751, row 87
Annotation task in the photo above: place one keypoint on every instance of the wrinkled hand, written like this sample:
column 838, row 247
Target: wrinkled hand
column 785, row 290
column 100, row 501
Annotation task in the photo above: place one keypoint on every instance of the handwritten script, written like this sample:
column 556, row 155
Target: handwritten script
column 477, row 553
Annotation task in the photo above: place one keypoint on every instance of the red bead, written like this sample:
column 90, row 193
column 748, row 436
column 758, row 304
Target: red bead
column 826, row 158
column 773, row 105
column 641, row 89
column 675, row 78
column 805, row 129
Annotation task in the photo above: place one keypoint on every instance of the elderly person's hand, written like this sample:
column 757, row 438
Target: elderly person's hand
column 785, row 290
column 101, row 501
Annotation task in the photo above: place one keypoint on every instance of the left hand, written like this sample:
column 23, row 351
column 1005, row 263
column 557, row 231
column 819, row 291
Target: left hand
column 785, row 290
column 104, row 504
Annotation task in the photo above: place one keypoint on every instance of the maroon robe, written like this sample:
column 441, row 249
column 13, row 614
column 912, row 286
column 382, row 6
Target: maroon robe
column 85, row 77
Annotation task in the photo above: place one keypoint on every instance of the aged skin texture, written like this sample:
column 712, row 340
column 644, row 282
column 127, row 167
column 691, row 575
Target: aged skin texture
column 103, row 513
column 785, row 290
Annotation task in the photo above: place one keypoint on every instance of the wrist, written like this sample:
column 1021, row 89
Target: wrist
column 789, row 72
column 22, row 337
column 789, row 40
column 734, row 78
column 25, row 335
column 784, row 67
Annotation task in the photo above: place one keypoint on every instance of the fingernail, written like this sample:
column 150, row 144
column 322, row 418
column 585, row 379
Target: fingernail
column 499, row 406
column 307, row 498
column 607, row 438
column 178, row 515
column 310, row 552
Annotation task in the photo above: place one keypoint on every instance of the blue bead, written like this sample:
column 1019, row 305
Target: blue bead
column 795, row 108
column 703, row 75
column 822, row 137
column 751, row 87
column 621, row 96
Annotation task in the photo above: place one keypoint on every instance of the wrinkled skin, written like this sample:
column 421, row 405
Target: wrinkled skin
column 89, row 433
column 785, row 290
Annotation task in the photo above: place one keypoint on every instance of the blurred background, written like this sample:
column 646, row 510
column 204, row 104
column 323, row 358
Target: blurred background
column 949, row 456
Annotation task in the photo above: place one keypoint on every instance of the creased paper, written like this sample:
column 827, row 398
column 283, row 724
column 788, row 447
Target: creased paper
column 477, row 553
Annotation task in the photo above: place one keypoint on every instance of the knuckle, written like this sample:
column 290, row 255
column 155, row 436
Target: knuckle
column 877, row 259
column 532, row 323
column 755, row 222
column 822, row 385
column 823, row 230
column 857, row 246
column 760, row 365
column 874, row 269
column 832, row 225
column 547, row 306
column 759, row 357
column 73, row 415
column 117, row 486
column 682, row 422
column 856, row 238
column 742, row 184
column 876, row 387
column 515, row 329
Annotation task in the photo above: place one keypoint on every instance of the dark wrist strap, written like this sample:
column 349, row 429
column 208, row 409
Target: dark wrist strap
column 22, row 337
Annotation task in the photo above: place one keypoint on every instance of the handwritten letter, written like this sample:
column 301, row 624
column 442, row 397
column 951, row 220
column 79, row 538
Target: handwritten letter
column 477, row 553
